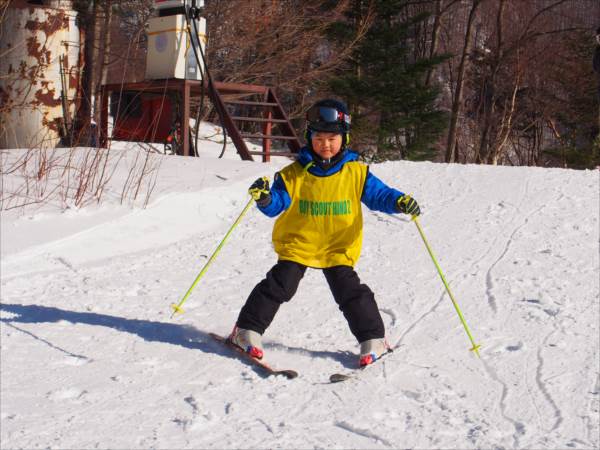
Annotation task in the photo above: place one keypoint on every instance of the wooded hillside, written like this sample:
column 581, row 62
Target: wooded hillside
column 470, row 81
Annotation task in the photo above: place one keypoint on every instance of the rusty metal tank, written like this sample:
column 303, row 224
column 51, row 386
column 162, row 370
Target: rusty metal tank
column 39, row 53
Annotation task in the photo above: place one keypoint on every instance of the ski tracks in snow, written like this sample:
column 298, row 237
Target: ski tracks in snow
column 364, row 432
column 549, row 412
column 196, row 419
column 512, row 386
column 543, row 388
column 173, row 391
column 489, row 278
column 519, row 427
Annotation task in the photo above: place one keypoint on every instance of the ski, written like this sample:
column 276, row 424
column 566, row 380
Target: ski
column 339, row 377
column 264, row 367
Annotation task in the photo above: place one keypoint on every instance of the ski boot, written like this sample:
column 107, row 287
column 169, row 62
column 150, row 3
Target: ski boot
column 248, row 340
column 371, row 350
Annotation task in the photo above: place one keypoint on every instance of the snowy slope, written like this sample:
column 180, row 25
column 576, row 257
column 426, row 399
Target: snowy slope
column 91, row 358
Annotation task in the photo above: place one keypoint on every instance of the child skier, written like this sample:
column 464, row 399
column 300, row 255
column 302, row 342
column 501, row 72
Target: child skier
column 318, row 200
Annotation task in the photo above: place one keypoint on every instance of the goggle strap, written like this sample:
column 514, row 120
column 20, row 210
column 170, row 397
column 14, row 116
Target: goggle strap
column 327, row 114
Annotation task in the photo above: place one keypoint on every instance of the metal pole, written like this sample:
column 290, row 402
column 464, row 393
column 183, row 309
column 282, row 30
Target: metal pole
column 475, row 347
column 177, row 307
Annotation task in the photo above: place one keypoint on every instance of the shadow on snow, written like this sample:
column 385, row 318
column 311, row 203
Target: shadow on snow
column 185, row 336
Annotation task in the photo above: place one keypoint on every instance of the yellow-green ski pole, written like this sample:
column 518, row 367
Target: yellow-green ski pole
column 475, row 347
column 177, row 307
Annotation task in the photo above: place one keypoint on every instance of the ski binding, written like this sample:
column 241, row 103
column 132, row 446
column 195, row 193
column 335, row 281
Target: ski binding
column 264, row 367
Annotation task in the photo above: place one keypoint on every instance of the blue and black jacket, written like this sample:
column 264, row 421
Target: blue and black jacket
column 376, row 194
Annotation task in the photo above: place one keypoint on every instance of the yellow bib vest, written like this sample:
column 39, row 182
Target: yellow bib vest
column 323, row 225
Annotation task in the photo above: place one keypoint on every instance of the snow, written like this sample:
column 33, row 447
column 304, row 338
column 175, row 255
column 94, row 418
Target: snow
column 90, row 356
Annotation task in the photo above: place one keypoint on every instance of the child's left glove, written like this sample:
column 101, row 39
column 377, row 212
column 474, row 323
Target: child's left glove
column 260, row 192
column 408, row 205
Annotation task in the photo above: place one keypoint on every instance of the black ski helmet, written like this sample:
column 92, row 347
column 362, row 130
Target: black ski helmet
column 328, row 115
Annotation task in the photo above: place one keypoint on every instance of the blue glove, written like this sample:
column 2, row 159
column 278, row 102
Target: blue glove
column 408, row 205
column 260, row 192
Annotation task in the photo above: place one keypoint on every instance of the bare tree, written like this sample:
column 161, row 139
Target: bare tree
column 502, row 101
column 281, row 43
column 503, row 65
column 459, row 84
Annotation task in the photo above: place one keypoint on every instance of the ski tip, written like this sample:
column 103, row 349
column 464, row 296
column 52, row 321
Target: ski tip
column 289, row 374
column 338, row 377
column 257, row 363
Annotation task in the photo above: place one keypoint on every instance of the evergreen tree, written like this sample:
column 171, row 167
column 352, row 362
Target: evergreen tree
column 393, row 109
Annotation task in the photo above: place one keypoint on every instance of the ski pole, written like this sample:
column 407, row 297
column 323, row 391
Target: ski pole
column 475, row 347
column 177, row 307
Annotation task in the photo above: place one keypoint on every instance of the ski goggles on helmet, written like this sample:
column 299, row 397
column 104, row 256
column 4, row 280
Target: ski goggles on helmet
column 328, row 118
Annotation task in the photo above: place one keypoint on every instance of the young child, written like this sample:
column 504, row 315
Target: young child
column 318, row 200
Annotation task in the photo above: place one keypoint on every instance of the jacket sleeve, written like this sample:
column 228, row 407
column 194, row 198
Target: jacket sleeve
column 378, row 196
column 280, row 199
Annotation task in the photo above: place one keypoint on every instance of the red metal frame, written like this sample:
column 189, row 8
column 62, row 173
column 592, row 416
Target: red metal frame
column 188, row 89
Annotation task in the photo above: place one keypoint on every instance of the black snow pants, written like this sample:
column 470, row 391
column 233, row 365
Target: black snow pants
column 355, row 300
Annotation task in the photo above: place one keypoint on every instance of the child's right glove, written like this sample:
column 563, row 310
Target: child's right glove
column 408, row 205
column 260, row 192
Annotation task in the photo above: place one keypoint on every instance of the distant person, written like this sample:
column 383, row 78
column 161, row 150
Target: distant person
column 320, row 225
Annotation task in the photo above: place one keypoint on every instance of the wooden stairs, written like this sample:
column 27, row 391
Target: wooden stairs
column 254, row 113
